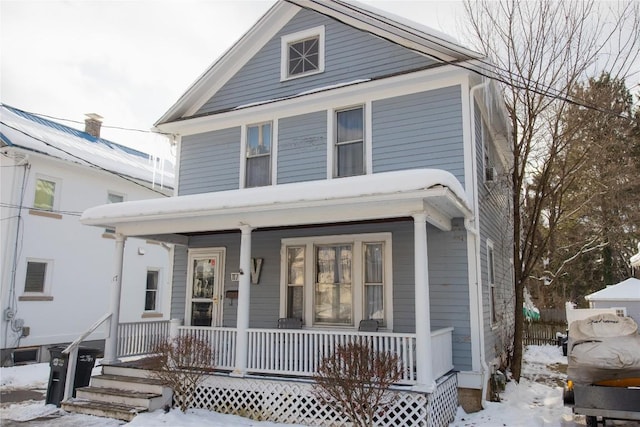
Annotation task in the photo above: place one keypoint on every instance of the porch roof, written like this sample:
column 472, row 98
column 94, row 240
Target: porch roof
column 367, row 197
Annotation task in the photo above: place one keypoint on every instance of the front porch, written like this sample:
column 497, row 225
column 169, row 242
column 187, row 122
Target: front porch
column 277, row 385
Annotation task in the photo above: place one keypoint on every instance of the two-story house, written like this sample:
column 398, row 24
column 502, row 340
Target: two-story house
column 56, row 272
column 338, row 165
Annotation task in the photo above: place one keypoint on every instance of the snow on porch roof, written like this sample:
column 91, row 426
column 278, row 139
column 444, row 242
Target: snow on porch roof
column 627, row 290
column 376, row 196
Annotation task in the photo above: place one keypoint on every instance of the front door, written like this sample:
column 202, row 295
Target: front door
column 205, row 286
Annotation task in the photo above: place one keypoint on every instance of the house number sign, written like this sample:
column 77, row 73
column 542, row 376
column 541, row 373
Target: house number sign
column 256, row 269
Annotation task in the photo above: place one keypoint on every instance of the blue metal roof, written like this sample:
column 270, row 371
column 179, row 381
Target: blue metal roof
column 75, row 132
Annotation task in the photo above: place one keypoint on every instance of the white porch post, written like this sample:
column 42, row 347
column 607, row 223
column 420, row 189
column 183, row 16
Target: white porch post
column 424, row 369
column 111, row 343
column 244, row 290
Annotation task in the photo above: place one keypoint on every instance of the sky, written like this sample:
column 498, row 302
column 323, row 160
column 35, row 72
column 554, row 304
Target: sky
column 130, row 60
column 534, row 402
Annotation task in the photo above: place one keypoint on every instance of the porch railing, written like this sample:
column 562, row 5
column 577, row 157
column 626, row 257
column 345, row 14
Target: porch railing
column 299, row 352
column 138, row 338
column 295, row 352
column 222, row 341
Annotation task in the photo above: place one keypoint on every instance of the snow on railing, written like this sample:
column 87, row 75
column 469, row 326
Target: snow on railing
column 138, row 338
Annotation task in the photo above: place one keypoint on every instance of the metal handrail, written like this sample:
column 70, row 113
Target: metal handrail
column 72, row 351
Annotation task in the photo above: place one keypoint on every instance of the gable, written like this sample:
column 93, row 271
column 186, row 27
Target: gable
column 350, row 55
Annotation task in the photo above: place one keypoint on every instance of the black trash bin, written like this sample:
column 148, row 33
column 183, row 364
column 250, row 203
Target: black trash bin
column 58, row 376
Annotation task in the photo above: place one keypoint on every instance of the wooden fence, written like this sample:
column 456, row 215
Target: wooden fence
column 537, row 333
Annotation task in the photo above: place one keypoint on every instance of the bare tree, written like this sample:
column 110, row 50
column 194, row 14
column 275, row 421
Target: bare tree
column 540, row 50
column 355, row 380
column 182, row 364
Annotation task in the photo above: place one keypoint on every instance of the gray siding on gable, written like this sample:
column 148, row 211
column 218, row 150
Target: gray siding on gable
column 350, row 54
column 302, row 148
column 420, row 130
column 210, row 162
column 447, row 276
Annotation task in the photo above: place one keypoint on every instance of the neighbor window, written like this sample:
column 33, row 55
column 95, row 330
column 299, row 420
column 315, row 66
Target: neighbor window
column 337, row 280
column 492, row 282
column 302, row 53
column 45, row 194
column 113, row 198
column 258, row 153
column 349, row 142
column 36, row 276
column 151, row 293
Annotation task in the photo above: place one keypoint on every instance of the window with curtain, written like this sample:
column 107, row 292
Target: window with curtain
column 373, row 281
column 295, row 282
column 258, row 153
column 333, row 288
column 349, row 149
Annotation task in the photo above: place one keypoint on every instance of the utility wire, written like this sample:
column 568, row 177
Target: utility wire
column 11, row 205
column 125, row 177
column 516, row 81
column 103, row 125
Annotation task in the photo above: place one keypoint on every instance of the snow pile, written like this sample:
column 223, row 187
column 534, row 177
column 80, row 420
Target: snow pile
column 34, row 376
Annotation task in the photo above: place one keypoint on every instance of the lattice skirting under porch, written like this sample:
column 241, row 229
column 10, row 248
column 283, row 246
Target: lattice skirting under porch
column 288, row 401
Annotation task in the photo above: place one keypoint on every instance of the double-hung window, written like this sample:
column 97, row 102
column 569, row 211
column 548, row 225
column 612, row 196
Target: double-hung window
column 258, row 155
column 349, row 143
column 37, row 281
column 151, row 292
column 113, row 198
column 337, row 280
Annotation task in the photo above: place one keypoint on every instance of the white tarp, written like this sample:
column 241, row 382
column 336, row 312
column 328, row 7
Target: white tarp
column 603, row 347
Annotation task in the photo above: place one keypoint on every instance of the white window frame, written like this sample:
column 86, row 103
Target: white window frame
column 46, row 287
column 157, row 290
column 274, row 152
column 56, row 192
column 332, row 135
column 491, row 282
column 288, row 39
column 357, row 241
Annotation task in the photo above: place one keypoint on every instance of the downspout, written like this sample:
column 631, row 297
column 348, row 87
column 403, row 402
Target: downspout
column 475, row 230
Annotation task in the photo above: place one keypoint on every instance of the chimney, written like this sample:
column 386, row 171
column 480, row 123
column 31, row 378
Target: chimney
column 92, row 124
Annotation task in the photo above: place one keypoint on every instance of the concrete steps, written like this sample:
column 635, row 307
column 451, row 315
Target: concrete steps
column 120, row 393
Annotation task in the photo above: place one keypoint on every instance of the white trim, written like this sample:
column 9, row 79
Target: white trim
column 48, row 277
column 57, row 191
column 471, row 379
column 357, row 240
column 199, row 253
column 176, row 170
column 330, row 141
column 158, row 302
column 331, row 152
column 228, row 65
column 349, row 94
column 288, row 39
column 274, row 151
column 491, row 283
column 368, row 137
column 243, row 152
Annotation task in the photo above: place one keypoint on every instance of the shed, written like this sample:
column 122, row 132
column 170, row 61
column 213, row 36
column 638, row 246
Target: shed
column 624, row 294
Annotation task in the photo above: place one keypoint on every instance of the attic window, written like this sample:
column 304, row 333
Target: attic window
column 302, row 53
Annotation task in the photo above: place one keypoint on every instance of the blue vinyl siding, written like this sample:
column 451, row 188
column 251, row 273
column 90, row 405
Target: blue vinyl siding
column 421, row 130
column 494, row 204
column 210, row 162
column 350, row 54
column 302, row 148
column 447, row 276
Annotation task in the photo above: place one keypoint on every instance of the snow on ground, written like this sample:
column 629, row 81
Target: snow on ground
column 536, row 401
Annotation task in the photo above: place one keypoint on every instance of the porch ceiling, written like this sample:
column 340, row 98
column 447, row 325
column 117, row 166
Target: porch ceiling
column 368, row 197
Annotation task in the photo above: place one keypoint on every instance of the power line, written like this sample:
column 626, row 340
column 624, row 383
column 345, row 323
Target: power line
column 32, row 208
column 103, row 125
column 125, row 177
column 515, row 81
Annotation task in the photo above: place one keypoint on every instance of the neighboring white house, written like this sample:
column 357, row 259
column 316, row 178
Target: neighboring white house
column 624, row 296
column 56, row 272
